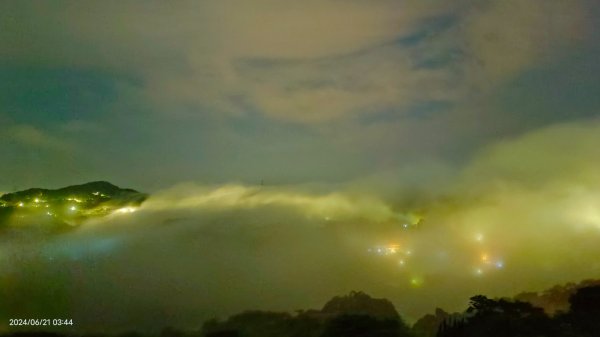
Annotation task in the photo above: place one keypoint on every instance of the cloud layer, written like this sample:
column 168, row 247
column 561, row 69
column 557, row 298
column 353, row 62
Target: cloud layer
column 192, row 252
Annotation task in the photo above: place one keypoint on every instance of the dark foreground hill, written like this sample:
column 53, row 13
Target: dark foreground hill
column 61, row 208
column 483, row 318
column 554, row 302
column 355, row 314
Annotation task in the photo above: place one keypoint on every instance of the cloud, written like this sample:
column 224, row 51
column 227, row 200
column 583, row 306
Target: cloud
column 550, row 154
column 313, row 63
column 522, row 215
column 506, row 37
column 32, row 137
column 328, row 206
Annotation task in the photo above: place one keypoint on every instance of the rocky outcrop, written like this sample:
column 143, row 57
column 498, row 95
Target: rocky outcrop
column 428, row 325
column 359, row 303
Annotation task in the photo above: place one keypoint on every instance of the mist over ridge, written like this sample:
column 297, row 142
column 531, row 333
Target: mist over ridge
column 183, row 244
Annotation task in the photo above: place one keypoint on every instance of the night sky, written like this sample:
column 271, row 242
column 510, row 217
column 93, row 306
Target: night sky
column 422, row 151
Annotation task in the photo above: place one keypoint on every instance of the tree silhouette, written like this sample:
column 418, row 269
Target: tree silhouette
column 364, row 326
column 501, row 318
column 583, row 319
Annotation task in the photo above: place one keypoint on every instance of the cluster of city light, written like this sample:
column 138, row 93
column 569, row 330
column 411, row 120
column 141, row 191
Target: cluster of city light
column 485, row 260
column 403, row 255
column 391, row 249
column 37, row 202
column 74, row 207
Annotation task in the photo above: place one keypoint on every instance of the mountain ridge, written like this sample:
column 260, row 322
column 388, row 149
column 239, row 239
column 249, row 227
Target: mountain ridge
column 66, row 206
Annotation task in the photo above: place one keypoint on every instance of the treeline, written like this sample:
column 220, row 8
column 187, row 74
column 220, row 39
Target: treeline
column 350, row 316
column 502, row 318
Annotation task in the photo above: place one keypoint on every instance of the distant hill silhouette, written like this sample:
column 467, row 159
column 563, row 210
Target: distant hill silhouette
column 556, row 298
column 55, row 209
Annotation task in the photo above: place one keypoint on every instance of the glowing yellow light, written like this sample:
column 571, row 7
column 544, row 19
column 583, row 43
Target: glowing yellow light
column 479, row 271
column 401, row 262
column 36, row 200
column 479, row 237
column 126, row 210
column 21, row 204
column 73, row 208
column 416, row 282
column 393, row 249
column 485, row 257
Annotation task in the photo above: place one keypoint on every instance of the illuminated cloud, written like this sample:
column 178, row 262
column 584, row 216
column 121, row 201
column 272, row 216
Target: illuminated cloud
column 261, row 95
column 309, row 63
column 328, row 207
column 502, row 228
